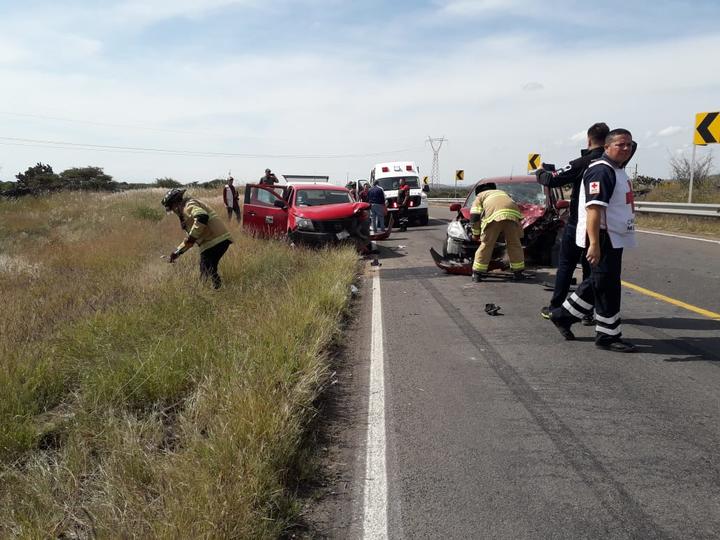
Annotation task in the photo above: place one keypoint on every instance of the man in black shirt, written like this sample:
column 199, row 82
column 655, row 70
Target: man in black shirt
column 570, row 253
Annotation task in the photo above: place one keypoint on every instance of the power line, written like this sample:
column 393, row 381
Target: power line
column 66, row 145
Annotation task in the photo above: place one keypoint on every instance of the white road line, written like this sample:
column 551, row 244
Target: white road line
column 680, row 236
column 375, row 509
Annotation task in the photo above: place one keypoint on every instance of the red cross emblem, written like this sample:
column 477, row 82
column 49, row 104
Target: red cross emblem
column 630, row 197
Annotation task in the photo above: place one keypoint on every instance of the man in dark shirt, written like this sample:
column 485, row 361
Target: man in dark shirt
column 269, row 178
column 376, row 198
column 570, row 253
column 403, row 202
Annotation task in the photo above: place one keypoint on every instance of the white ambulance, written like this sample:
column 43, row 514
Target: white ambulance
column 389, row 175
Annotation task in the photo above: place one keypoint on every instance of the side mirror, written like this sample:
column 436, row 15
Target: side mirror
column 562, row 203
column 455, row 207
column 280, row 204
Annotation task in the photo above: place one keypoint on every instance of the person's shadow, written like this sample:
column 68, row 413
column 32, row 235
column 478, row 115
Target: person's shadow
column 682, row 348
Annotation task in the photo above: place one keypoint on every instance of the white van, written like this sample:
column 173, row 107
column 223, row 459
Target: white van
column 389, row 175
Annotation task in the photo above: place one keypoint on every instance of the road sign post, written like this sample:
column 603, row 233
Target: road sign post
column 707, row 131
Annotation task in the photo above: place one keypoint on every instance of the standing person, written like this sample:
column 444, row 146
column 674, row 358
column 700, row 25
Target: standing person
column 606, row 225
column 494, row 212
column 204, row 228
column 376, row 198
column 269, row 178
column 351, row 187
column 364, row 193
column 570, row 252
column 403, row 204
column 230, row 198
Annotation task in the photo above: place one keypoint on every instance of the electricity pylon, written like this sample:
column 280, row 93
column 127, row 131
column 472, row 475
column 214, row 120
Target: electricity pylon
column 435, row 144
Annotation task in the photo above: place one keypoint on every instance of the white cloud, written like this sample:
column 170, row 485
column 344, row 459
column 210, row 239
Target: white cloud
column 579, row 136
column 670, row 131
column 149, row 11
column 478, row 7
column 532, row 86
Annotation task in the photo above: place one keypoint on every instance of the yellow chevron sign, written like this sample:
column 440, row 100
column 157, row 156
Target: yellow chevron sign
column 707, row 128
column 534, row 162
column 459, row 175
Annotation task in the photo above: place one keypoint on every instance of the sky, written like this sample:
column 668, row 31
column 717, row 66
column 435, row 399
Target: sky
column 197, row 89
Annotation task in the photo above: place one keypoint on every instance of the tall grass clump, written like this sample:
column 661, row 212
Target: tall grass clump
column 138, row 402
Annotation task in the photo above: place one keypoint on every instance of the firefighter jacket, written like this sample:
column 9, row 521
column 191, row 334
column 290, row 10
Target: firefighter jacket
column 492, row 205
column 202, row 226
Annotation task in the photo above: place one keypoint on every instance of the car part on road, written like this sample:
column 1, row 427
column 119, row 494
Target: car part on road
column 617, row 346
column 492, row 309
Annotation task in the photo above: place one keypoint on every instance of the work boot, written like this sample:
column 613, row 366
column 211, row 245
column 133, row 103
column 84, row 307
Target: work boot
column 519, row 275
column 545, row 312
column 563, row 326
column 477, row 277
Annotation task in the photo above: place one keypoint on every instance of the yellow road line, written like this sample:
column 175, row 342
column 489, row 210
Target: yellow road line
column 689, row 307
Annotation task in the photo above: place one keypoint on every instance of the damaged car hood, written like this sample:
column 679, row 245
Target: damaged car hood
column 331, row 211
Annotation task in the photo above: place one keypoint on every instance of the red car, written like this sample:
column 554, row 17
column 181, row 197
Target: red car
column 544, row 214
column 308, row 213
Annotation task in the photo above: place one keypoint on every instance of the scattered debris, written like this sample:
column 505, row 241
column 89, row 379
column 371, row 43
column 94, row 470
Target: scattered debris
column 492, row 309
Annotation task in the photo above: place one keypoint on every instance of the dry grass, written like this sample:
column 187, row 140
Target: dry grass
column 139, row 403
column 676, row 192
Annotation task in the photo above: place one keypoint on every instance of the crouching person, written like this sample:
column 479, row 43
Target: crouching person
column 204, row 228
column 494, row 212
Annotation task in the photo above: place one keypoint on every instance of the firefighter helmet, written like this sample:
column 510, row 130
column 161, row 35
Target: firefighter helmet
column 171, row 197
column 485, row 187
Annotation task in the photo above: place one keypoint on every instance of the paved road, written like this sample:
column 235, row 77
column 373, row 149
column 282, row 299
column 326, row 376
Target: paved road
column 497, row 428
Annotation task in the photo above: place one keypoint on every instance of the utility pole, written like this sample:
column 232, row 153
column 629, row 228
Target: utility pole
column 435, row 144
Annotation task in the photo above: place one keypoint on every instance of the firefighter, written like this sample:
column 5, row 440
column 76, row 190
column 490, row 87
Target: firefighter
column 204, row 228
column 494, row 212
column 606, row 225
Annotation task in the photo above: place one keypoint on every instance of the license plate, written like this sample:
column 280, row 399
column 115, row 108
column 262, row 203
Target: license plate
column 342, row 235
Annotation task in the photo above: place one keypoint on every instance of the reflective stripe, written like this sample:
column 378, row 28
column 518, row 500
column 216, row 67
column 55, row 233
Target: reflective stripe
column 517, row 266
column 574, row 312
column 608, row 331
column 503, row 214
column 479, row 267
column 582, row 303
column 607, row 320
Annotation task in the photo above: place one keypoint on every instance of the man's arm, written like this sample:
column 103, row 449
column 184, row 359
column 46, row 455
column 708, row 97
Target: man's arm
column 572, row 172
column 594, row 217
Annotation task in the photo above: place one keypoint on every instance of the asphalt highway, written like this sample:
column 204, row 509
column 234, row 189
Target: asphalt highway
column 495, row 427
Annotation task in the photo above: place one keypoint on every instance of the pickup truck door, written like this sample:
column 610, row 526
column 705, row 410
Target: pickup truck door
column 260, row 215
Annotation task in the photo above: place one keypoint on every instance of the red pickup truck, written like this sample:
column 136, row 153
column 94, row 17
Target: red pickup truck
column 308, row 213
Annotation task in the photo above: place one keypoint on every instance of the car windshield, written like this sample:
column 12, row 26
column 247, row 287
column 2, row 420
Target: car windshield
column 319, row 197
column 390, row 184
column 526, row 193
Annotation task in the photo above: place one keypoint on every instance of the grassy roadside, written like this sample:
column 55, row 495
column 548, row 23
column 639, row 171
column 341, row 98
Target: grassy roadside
column 675, row 192
column 138, row 403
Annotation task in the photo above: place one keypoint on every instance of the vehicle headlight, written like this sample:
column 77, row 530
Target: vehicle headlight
column 304, row 224
column 456, row 231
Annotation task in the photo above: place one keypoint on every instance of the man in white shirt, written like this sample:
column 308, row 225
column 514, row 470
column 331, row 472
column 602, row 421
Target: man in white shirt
column 606, row 225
